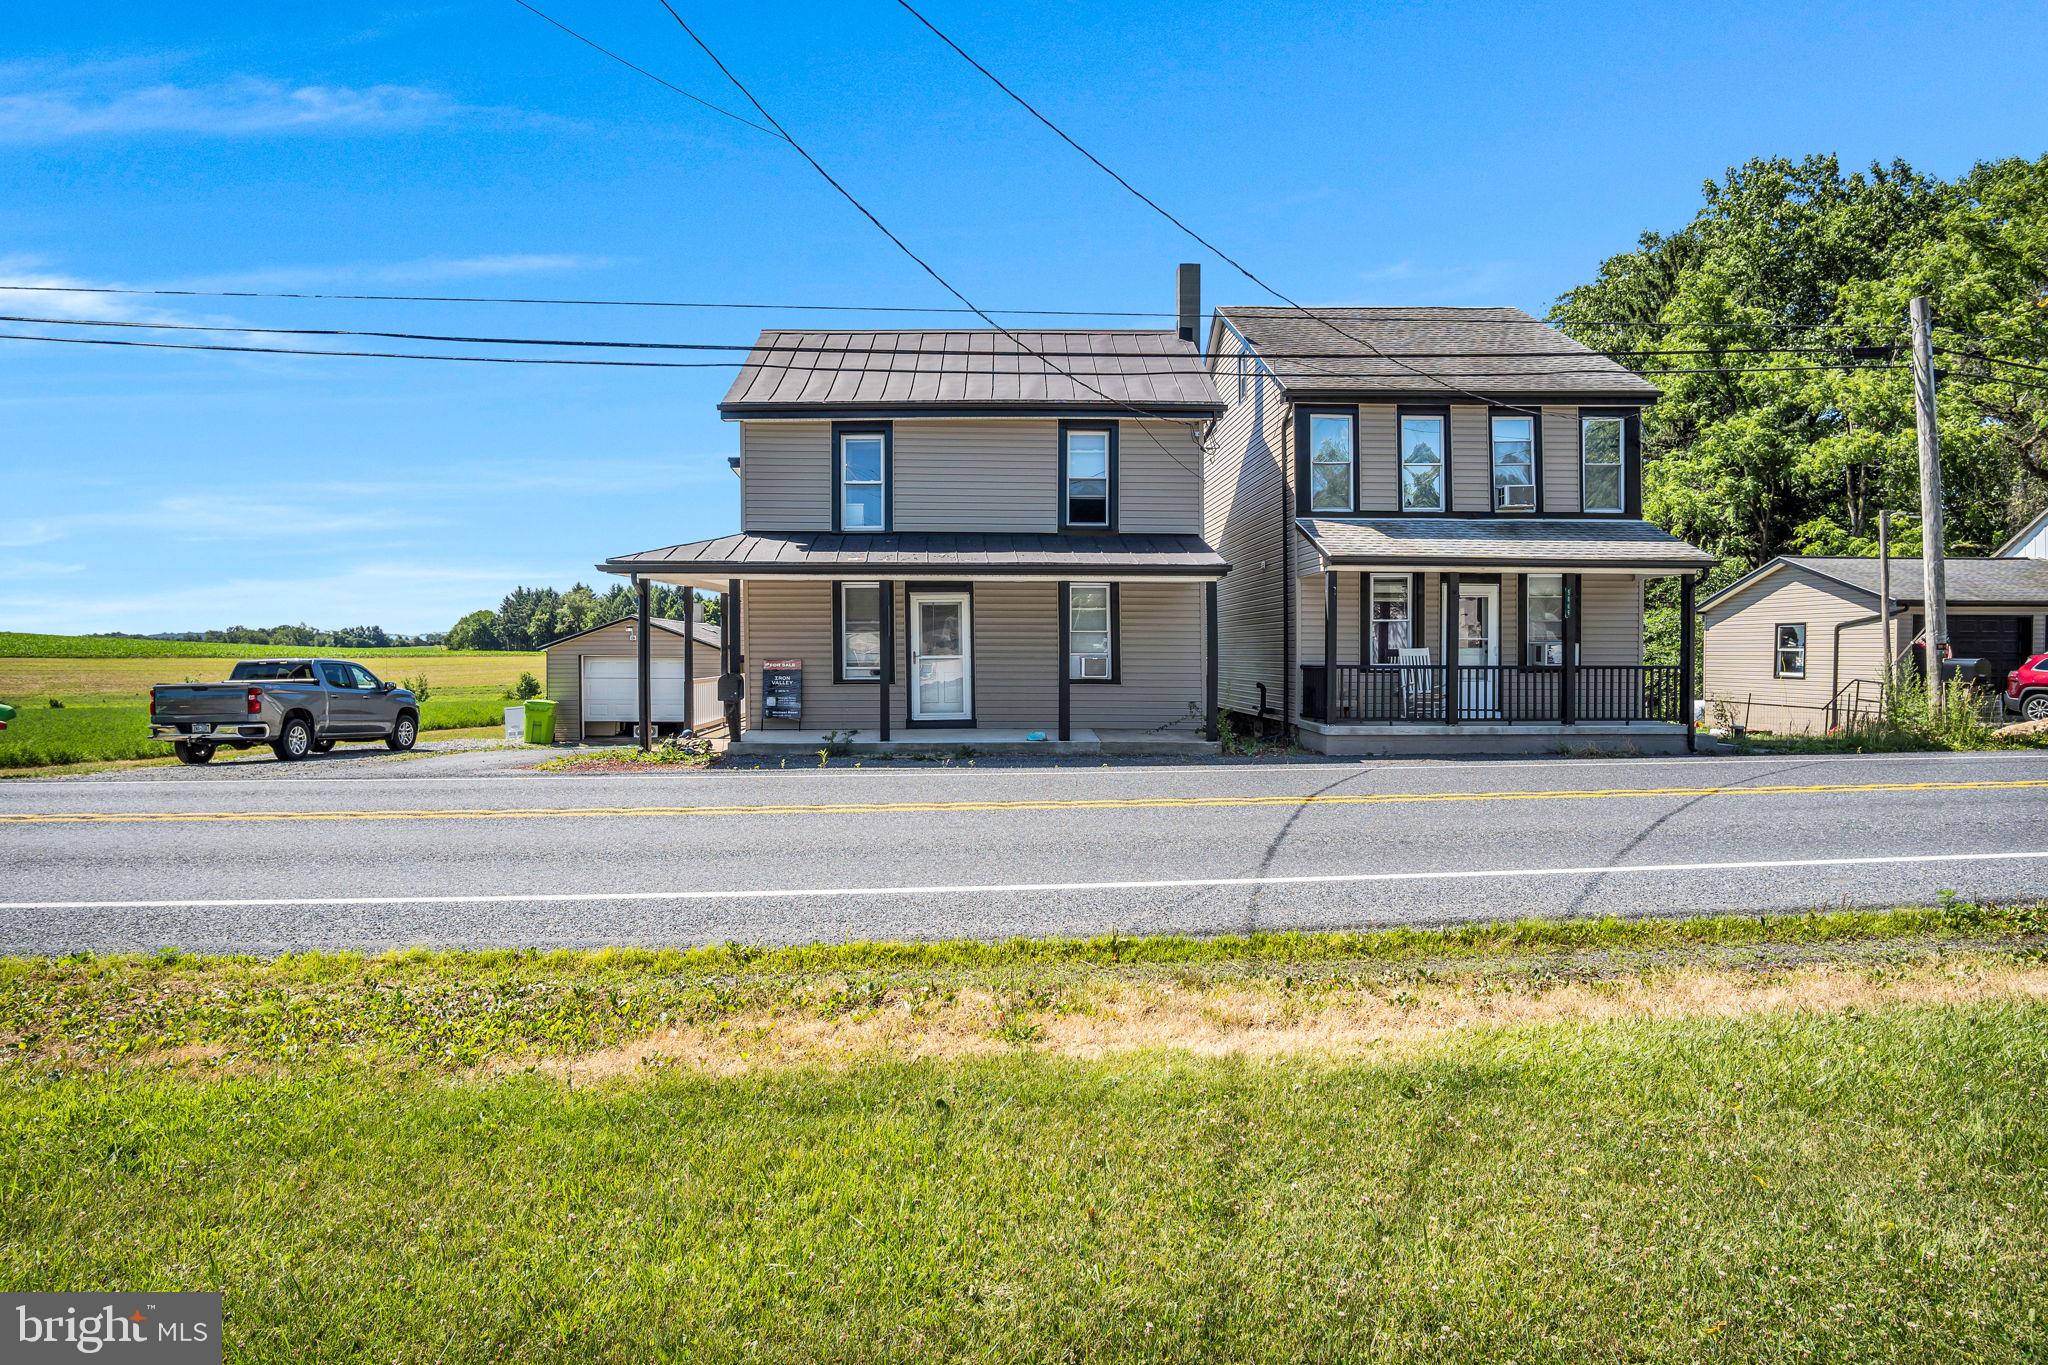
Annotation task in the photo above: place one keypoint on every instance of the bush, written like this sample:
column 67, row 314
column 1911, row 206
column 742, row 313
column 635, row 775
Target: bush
column 528, row 686
column 418, row 687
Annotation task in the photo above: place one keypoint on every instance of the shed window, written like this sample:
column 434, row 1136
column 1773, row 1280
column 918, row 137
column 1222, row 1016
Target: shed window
column 1789, row 659
column 862, row 478
column 860, row 632
column 1422, row 464
column 1390, row 620
column 1514, row 464
column 1087, row 491
column 1600, row 443
column 1091, row 631
column 1544, row 647
column 1330, row 449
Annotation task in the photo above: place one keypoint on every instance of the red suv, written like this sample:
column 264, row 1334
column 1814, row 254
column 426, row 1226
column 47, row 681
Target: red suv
column 2026, row 689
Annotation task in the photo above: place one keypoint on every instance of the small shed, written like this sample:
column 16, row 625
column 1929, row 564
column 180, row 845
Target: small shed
column 593, row 676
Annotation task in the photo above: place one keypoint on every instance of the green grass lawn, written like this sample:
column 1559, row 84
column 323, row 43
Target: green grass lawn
column 385, row 1158
column 104, row 687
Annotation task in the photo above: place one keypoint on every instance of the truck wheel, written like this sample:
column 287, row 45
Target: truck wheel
column 295, row 741
column 321, row 746
column 194, row 751
column 403, row 734
column 2035, row 707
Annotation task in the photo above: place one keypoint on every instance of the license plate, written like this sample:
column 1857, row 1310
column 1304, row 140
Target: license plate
column 202, row 727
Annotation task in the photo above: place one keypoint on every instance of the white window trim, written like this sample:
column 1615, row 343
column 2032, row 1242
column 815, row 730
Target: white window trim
column 845, row 621
column 880, row 485
column 1778, row 651
column 1529, row 617
column 1620, row 465
column 1443, row 427
column 1067, row 476
column 1371, row 622
column 1108, row 656
column 1349, row 462
column 1493, row 460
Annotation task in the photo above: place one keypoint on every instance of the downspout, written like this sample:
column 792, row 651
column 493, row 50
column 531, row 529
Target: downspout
column 1286, row 559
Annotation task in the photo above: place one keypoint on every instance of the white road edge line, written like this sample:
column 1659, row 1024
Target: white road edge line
column 1008, row 888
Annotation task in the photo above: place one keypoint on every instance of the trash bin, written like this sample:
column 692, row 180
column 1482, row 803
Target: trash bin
column 6, row 714
column 540, row 721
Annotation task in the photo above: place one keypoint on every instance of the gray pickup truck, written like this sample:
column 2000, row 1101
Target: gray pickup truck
column 296, row 706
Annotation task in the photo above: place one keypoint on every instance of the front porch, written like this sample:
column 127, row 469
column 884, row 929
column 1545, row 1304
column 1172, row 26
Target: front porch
column 1082, row 742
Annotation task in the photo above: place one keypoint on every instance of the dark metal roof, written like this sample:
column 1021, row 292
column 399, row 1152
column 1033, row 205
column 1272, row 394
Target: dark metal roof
column 707, row 634
column 928, row 554
column 951, row 370
column 1496, row 542
column 1971, row 582
column 1495, row 346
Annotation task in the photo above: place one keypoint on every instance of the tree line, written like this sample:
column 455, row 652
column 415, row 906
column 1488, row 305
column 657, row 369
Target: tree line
column 301, row 635
column 531, row 617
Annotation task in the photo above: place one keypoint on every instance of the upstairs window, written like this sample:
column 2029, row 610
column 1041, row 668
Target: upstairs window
column 1091, row 632
column 1600, row 442
column 1544, row 613
column 1514, row 464
column 1330, row 460
column 1422, row 464
column 1086, row 496
column 860, row 632
column 863, row 481
column 1790, row 658
column 1389, row 629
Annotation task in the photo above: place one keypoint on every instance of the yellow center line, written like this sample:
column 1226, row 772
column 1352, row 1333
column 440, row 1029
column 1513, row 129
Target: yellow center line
column 944, row 807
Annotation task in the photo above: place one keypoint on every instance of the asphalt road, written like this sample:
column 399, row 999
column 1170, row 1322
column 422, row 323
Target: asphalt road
column 472, row 850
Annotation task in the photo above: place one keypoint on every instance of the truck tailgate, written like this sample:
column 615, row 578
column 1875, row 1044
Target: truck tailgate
column 180, row 702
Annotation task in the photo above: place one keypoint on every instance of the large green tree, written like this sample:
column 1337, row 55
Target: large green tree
column 1775, row 323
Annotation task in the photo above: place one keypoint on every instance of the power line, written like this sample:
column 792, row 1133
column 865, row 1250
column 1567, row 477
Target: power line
column 658, row 80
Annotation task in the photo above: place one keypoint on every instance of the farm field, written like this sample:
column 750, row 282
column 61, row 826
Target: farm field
column 104, row 712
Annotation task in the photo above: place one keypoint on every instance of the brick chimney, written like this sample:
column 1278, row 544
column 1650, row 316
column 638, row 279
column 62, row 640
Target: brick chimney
column 1189, row 301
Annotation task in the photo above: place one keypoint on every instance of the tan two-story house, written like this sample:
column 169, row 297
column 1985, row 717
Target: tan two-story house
column 1433, row 518
column 959, row 537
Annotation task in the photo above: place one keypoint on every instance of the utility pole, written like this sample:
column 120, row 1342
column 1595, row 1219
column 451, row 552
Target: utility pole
column 1884, row 601
column 1934, row 571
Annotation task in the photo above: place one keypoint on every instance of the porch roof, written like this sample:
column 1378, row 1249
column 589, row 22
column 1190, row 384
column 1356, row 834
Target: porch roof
column 927, row 554
column 1501, row 542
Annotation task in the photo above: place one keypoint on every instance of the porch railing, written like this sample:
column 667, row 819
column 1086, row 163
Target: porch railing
column 1494, row 694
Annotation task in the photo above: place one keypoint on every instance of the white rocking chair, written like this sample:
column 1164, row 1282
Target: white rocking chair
column 1422, row 687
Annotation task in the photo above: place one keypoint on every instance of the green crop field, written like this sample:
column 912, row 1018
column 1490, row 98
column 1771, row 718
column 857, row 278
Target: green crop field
column 104, row 696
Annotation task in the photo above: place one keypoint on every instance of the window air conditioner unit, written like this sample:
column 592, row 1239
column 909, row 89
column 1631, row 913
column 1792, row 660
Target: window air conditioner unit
column 1520, row 496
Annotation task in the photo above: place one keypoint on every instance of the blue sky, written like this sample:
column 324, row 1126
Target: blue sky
column 1392, row 153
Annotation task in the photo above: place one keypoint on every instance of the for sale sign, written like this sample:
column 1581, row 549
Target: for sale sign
column 782, row 689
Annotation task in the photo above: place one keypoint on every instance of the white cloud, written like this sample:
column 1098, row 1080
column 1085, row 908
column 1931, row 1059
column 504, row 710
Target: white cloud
column 14, row 570
column 214, row 517
column 245, row 106
column 422, row 271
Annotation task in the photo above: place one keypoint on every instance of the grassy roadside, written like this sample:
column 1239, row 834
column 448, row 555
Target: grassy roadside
column 1802, row 1137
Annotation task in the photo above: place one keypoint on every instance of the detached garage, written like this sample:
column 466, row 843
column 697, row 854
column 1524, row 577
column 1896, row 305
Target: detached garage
column 593, row 677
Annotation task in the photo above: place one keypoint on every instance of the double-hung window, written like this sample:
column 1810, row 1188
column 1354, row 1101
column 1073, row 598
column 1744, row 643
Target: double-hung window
column 1422, row 464
column 1514, row 464
column 1789, row 661
column 1331, row 447
column 1086, row 493
column 1091, row 633
column 1389, row 628
column 1544, row 612
column 860, row 632
column 863, row 481
column 1600, row 445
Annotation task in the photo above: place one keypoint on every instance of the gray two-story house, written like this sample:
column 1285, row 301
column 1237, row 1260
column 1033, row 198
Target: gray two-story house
column 1433, row 518
column 957, row 537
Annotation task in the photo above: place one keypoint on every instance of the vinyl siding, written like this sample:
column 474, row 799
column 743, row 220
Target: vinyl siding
column 1740, row 640
column 565, row 670
column 1244, row 517
column 1379, row 458
column 1610, row 619
column 1471, row 460
column 1560, row 461
column 971, row 474
column 1015, row 659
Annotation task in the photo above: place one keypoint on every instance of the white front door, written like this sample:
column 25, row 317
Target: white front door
column 1478, row 649
column 941, row 662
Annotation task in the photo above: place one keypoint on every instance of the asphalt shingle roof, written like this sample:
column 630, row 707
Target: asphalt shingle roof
column 1155, row 371
column 910, row 553
column 1496, row 542
column 1970, row 582
column 1497, row 353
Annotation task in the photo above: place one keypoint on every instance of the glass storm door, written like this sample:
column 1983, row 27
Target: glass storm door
column 1478, row 649
column 942, row 673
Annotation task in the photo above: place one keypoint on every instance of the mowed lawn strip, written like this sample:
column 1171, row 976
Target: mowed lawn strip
column 105, row 697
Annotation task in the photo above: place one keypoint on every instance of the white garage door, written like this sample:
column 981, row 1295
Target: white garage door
column 611, row 691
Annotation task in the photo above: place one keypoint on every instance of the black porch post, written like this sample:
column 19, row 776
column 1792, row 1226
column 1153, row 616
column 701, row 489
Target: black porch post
column 1209, row 730
column 1450, row 649
column 644, row 593
column 735, row 662
column 1686, row 585
column 1066, row 666
column 1329, row 643
column 1568, row 667
column 689, row 661
column 888, row 672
